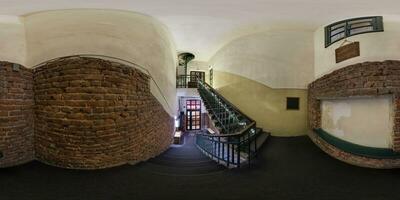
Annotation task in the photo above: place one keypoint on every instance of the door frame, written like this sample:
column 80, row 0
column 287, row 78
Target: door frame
column 191, row 110
column 194, row 72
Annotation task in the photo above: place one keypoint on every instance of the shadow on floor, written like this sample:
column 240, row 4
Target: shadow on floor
column 287, row 168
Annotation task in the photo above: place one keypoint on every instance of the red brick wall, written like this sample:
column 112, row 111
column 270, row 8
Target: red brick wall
column 16, row 115
column 92, row 114
column 363, row 79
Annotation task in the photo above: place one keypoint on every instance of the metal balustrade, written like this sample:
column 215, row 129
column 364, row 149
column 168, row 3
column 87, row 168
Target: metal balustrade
column 236, row 142
column 186, row 81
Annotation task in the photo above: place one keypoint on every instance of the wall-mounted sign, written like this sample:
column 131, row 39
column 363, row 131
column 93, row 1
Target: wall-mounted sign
column 347, row 51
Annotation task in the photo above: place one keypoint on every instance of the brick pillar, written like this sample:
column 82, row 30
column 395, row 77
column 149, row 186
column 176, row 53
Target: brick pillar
column 396, row 125
column 314, row 110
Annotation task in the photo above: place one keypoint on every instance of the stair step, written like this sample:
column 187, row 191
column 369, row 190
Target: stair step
column 227, row 119
column 217, row 123
column 223, row 157
column 183, row 164
column 262, row 137
column 168, row 170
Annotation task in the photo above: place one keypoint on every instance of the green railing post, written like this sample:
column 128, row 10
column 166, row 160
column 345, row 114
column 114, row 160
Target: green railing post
column 238, row 152
column 219, row 148
column 249, row 141
column 228, row 151
column 236, row 129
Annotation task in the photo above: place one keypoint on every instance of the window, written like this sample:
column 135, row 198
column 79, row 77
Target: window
column 292, row 103
column 350, row 27
column 193, row 104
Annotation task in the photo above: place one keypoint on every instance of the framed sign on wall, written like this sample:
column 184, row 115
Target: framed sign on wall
column 347, row 51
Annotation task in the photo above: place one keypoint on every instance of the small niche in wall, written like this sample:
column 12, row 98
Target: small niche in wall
column 292, row 103
column 15, row 67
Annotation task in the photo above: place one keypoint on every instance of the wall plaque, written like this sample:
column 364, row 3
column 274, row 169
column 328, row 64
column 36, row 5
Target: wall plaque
column 347, row 51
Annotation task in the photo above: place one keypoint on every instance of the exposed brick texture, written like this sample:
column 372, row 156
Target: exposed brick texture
column 80, row 113
column 16, row 115
column 363, row 79
column 92, row 113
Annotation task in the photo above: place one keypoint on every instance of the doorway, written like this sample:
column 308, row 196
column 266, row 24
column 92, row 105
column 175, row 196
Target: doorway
column 193, row 114
column 194, row 76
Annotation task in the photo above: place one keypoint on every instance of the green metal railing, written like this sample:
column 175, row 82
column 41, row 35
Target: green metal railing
column 236, row 140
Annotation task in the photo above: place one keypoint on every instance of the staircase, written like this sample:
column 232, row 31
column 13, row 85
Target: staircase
column 238, row 139
column 183, row 160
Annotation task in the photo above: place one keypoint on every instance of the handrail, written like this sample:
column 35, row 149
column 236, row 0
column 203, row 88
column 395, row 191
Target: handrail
column 224, row 99
column 238, row 133
column 110, row 58
column 183, row 75
column 229, row 104
column 227, row 146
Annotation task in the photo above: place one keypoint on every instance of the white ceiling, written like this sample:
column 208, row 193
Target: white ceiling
column 204, row 26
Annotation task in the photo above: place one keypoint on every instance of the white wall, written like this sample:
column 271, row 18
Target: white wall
column 187, row 92
column 373, row 47
column 126, row 35
column 276, row 58
column 12, row 39
column 365, row 121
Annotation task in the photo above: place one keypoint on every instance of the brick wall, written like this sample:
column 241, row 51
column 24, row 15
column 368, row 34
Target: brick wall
column 16, row 115
column 91, row 113
column 358, row 80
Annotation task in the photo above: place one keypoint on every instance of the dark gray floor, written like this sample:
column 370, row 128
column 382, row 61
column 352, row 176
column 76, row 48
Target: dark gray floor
column 288, row 168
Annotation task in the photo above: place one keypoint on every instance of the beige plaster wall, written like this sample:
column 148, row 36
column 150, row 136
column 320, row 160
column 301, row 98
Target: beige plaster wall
column 275, row 58
column 12, row 39
column 364, row 121
column 134, row 37
column 265, row 105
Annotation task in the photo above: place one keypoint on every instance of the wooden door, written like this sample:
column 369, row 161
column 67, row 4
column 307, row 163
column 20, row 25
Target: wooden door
column 197, row 74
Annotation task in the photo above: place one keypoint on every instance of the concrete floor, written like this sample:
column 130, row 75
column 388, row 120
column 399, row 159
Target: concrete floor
column 288, row 168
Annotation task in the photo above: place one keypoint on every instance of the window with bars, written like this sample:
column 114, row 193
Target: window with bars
column 350, row 27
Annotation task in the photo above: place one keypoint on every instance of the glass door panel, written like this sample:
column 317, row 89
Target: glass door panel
column 193, row 114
